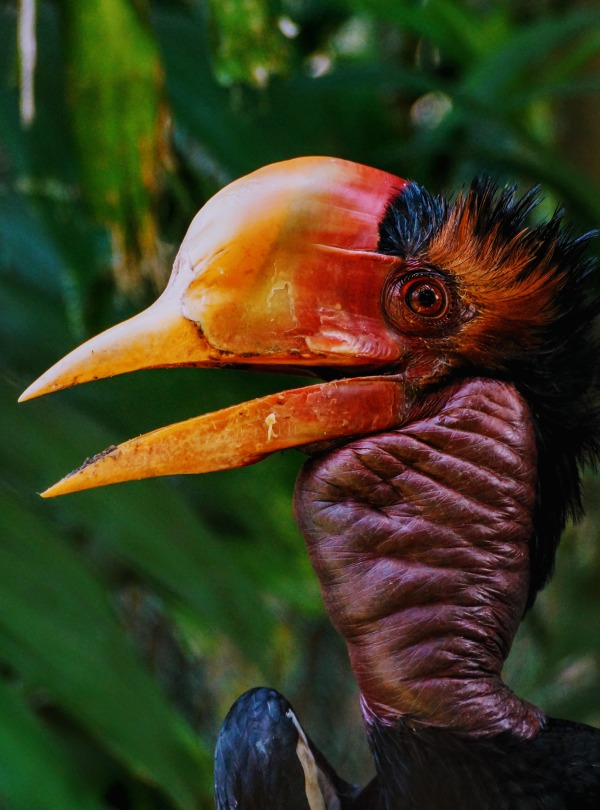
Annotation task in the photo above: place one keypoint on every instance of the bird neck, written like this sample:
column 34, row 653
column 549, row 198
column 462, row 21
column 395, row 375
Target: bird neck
column 420, row 540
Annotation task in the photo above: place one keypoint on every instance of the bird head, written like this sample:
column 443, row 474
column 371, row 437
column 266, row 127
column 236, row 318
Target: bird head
column 389, row 294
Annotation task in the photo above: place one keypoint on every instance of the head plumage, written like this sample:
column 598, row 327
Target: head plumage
column 533, row 295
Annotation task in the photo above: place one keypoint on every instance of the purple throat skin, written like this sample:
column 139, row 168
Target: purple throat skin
column 419, row 537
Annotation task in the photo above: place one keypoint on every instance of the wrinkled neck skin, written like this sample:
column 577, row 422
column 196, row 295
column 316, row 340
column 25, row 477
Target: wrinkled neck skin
column 420, row 539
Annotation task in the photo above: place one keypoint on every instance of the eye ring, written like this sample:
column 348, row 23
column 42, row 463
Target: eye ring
column 425, row 296
column 421, row 302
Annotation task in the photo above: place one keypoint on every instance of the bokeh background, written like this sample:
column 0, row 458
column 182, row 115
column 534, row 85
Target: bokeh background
column 131, row 618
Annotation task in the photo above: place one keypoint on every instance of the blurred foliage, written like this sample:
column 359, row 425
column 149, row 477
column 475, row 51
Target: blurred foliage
column 131, row 618
column 249, row 45
column 119, row 155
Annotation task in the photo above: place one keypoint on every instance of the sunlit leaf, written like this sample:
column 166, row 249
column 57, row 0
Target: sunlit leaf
column 117, row 110
column 248, row 45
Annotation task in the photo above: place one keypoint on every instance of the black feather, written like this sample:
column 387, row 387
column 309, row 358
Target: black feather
column 433, row 769
column 411, row 219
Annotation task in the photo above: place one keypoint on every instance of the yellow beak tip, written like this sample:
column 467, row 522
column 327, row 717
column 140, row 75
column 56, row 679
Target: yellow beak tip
column 39, row 387
column 60, row 488
column 28, row 393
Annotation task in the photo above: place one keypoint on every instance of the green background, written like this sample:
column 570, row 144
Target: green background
column 131, row 617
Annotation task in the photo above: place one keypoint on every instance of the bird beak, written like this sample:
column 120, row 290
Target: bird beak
column 279, row 271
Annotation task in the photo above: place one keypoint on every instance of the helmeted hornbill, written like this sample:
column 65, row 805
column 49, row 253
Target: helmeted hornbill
column 456, row 341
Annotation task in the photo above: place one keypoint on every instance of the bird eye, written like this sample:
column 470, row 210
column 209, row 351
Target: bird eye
column 421, row 303
column 425, row 296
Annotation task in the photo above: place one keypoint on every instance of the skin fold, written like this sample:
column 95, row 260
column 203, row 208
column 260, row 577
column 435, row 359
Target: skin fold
column 419, row 537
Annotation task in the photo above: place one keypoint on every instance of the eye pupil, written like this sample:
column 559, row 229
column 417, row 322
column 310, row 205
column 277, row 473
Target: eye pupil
column 426, row 297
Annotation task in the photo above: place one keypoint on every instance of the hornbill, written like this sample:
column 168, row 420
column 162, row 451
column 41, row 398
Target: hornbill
column 460, row 369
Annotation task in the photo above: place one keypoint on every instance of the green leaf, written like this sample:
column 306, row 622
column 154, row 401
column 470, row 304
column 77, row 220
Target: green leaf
column 460, row 33
column 117, row 110
column 527, row 49
column 148, row 524
column 33, row 766
column 67, row 641
column 248, row 45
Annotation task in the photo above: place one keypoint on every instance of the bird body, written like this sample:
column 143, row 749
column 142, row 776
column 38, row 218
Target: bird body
column 456, row 341
column 431, row 769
